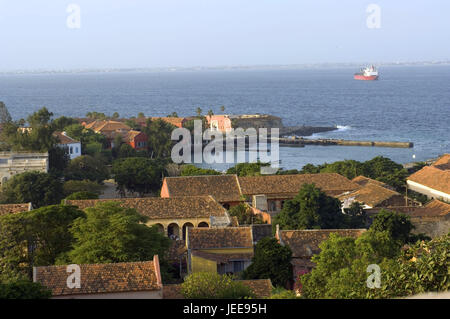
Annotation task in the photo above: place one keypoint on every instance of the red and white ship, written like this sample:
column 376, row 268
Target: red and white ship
column 369, row 73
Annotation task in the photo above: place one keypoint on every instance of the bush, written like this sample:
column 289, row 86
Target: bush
column 206, row 285
column 87, row 167
column 24, row 290
column 82, row 195
column 71, row 187
column 282, row 293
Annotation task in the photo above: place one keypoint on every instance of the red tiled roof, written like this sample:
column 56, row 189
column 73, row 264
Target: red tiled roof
column 371, row 194
column 224, row 188
column 63, row 138
column 363, row 181
column 102, row 278
column 163, row 208
column 222, row 258
column 14, row 208
column 331, row 183
column 305, row 243
column 443, row 160
column 432, row 177
column 217, row 238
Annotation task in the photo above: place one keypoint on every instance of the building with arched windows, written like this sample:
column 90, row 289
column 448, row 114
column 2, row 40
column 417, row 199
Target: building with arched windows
column 172, row 216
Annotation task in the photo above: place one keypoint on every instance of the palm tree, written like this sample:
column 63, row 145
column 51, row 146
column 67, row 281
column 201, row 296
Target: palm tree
column 199, row 111
column 222, row 109
column 210, row 113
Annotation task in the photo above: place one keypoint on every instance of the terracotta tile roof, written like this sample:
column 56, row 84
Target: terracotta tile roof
column 129, row 136
column 262, row 288
column 14, row 208
column 363, row 181
column 432, row 177
column 227, row 237
column 63, row 138
column 163, row 208
column 107, row 126
column 434, row 208
column 102, row 278
column 371, row 194
column 443, row 160
column 224, row 188
column 222, row 258
column 331, row 183
column 305, row 243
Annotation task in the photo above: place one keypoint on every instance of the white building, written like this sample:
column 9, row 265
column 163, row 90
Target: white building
column 65, row 141
column 12, row 163
column 433, row 181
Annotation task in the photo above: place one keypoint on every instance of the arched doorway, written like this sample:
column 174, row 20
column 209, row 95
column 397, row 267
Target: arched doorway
column 159, row 227
column 173, row 231
column 185, row 226
column 203, row 224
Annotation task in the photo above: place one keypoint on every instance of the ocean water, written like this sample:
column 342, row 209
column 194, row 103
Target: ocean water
column 406, row 104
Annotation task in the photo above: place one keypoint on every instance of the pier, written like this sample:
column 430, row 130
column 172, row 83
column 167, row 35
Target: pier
column 299, row 142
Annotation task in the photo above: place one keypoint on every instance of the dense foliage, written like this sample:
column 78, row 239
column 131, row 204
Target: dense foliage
column 247, row 169
column 311, row 208
column 111, row 233
column 138, row 175
column 86, row 167
column 46, row 230
column 24, row 289
column 342, row 265
column 271, row 260
column 207, row 285
column 245, row 215
column 192, row 170
column 40, row 189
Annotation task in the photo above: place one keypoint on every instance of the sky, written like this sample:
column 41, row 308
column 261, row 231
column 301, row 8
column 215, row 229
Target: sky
column 187, row 33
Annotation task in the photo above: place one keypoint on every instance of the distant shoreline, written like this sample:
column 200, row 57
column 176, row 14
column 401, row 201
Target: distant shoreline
column 223, row 68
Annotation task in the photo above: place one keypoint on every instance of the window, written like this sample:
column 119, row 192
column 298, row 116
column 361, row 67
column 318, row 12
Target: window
column 238, row 266
column 71, row 150
column 76, row 150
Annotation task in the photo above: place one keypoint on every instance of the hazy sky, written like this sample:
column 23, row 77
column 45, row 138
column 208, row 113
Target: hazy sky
column 160, row 33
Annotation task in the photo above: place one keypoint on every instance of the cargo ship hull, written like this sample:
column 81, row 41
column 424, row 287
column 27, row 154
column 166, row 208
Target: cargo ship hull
column 365, row 77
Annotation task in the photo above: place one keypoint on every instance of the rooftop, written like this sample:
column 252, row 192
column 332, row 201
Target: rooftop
column 218, row 238
column 102, row 278
column 432, row 177
column 224, row 188
column 14, row 208
column 305, row 243
column 164, row 208
column 371, row 194
column 63, row 138
column 331, row 183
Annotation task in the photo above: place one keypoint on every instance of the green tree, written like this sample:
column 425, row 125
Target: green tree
column 208, row 285
column 115, row 115
column 5, row 117
column 222, row 109
column 159, row 135
column 58, row 160
column 41, row 189
column 247, row 169
column 245, row 215
column 111, row 233
column 62, row 122
column 24, row 289
column 73, row 186
column 82, row 195
column 398, row 226
column 310, row 209
column 198, row 111
column 86, row 167
column 270, row 261
column 138, row 175
column 192, row 170
column 46, row 230
column 355, row 216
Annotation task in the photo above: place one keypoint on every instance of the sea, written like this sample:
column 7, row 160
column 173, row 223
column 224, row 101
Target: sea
column 407, row 103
